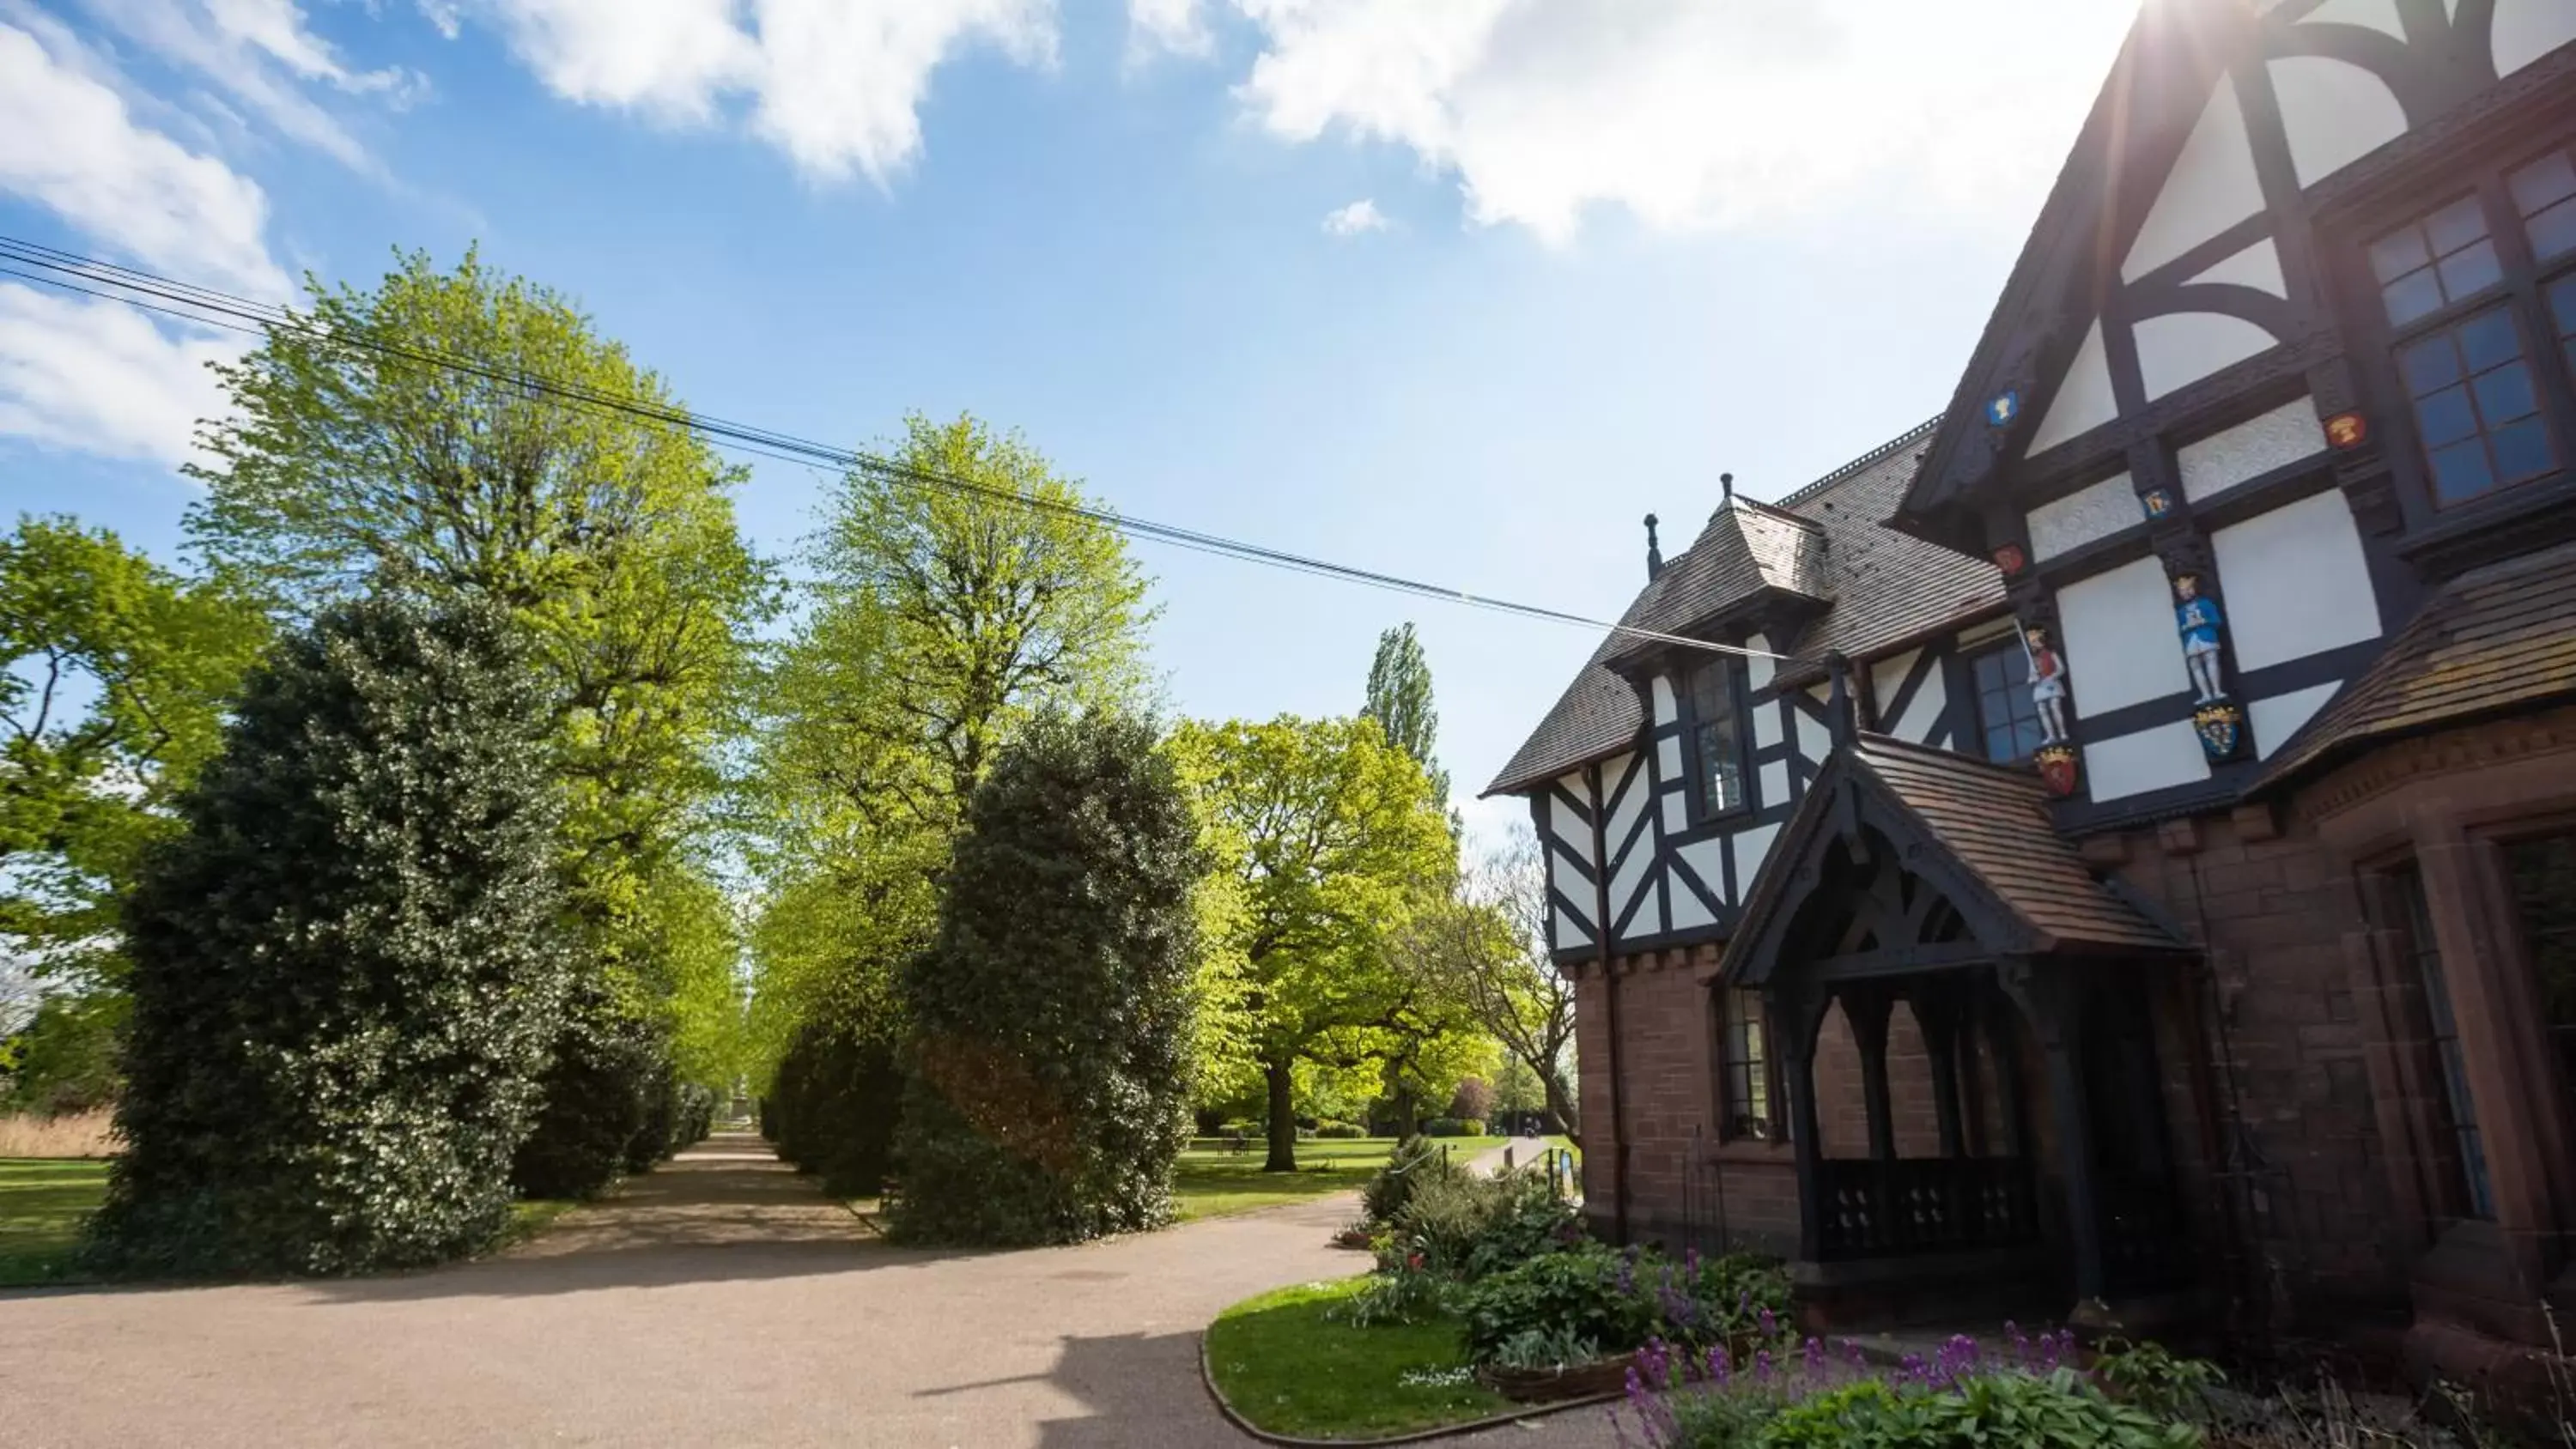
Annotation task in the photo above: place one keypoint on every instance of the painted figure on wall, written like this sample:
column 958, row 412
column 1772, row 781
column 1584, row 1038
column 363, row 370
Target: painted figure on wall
column 2199, row 621
column 2047, row 685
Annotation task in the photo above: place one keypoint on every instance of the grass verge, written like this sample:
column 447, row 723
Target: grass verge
column 42, row 1202
column 1213, row 1182
column 529, row 1217
column 1290, row 1369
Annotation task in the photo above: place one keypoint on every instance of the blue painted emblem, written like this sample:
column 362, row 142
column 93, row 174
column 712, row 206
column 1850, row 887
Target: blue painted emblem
column 2158, row 502
column 2221, row 728
column 2003, row 407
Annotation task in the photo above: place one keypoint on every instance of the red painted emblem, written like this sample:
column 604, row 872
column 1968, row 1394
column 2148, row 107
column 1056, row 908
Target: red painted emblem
column 2010, row 558
column 2347, row 430
column 2057, row 769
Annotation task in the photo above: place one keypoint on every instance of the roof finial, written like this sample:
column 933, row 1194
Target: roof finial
column 1726, row 482
column 1654, row 552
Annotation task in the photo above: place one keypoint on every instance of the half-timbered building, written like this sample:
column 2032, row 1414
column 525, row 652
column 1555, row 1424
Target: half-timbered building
column 2113, row 848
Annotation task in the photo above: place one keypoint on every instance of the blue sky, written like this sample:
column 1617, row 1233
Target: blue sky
column 1455, row 290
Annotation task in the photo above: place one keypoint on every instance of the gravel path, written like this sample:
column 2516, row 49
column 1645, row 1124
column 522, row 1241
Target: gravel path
column 717, row 1301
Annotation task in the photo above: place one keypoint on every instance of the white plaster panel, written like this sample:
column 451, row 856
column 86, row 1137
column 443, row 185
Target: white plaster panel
column 1766, row 723
column 1628, row 797
column 2526, row 30
column 1815, row 740
column 2095, row 511
column 1636, row 873
column 2155, row 759
column 1662, row 689
column 2211, row 188
column 1668, row 756
column 1569, row 932
column 2258, row 267
column 1750, row 847
column 2084, row 400
column 2184, row 347
column 2116, row 632
column 1676, row 812
column 1923, row 712
column 1687, row 911
column 1565, row 824
column 1757, row 669
column 2295, row 581
column 1707, row 860
column 1569, row 883
column 2277, row 717
column 2379, row 15
column 1775, row 784
column 2250, row 449
column 2334, row 111
column 1886, row 676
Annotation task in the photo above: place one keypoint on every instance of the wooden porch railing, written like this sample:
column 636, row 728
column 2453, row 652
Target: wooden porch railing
column 1876, row 1208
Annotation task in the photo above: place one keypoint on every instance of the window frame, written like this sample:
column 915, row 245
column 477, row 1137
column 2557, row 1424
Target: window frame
column 1735, row 1123
column 2521, row 291
column 2461, row 1187
column 1739, row 726
column 1969, row 658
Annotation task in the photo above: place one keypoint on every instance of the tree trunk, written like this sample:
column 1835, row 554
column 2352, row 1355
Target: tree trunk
column 1408, row 1112
column 1283, row 1120
column 1560, row 1104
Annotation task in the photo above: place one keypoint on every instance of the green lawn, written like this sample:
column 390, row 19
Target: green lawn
column 1289, row 1369
column 1212, row 1182
column 43, row 1199
column 42, row 1202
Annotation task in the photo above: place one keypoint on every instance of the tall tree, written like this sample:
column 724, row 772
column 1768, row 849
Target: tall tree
column 1487, row 948
column 1327, row 831
column 1050, row 1047
column 355, row 451
column 113, row 675
column 958, row 593
column 346, row 970
column 1399, row 699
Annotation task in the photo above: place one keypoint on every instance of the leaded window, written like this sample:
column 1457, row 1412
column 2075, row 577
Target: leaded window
column 1745, row 1066
column 2480, row 295
column 2007, row 717
column 1717, row 738
column 2465, row 1190
column 2543, row 873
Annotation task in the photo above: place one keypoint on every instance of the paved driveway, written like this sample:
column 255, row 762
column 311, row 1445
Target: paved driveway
column 719, row 1301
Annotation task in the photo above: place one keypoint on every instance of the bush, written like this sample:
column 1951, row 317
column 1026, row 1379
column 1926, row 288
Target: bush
column 1342, row 1131
column 1453, row 1127
column 1999, row 1408
column 1468, row 1226
column 594, row 1107
column 838, row 1102
column 1050, row 1021
column 346, row 968
column 1412, row 1163
column 1473, row 1100
column 1623, row 1300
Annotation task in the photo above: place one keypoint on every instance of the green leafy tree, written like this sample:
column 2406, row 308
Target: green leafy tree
column 1399, row 699
column 606, row 531
column 1326, row 831
column 347, row 969
column 1050, row 1034
column 116, row 672
column 943, row 619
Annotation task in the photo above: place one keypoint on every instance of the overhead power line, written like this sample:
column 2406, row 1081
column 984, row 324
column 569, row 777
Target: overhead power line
column 210, row 307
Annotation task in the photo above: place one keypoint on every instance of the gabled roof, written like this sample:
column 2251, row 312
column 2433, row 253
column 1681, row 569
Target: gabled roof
column 2138, row 124
column 1827, row 542
column 1978, row 833
column 2494, row 639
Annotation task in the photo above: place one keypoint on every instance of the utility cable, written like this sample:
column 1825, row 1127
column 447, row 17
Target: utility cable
column 210, row 307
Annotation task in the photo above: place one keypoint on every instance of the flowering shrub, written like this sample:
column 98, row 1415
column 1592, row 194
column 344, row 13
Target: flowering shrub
column 1623, row 1300
column 1812, row 1399
column 1469, row 1227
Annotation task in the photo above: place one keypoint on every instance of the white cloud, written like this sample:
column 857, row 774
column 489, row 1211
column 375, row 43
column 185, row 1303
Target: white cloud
column 1689, row 114
column 68, row 143
column 1361, row 215
column 836, row 84
column 1166, row 26
column 265, row 56
column 102, row 378
column 442, row 16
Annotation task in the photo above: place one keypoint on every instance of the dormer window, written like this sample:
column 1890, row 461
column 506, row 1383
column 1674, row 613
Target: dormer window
column 2480, row 298
column 1715, row 691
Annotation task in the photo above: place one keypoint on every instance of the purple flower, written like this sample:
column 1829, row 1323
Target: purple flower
column 1718, row 1365
column 1762, row 1365
column 1770, row 1324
